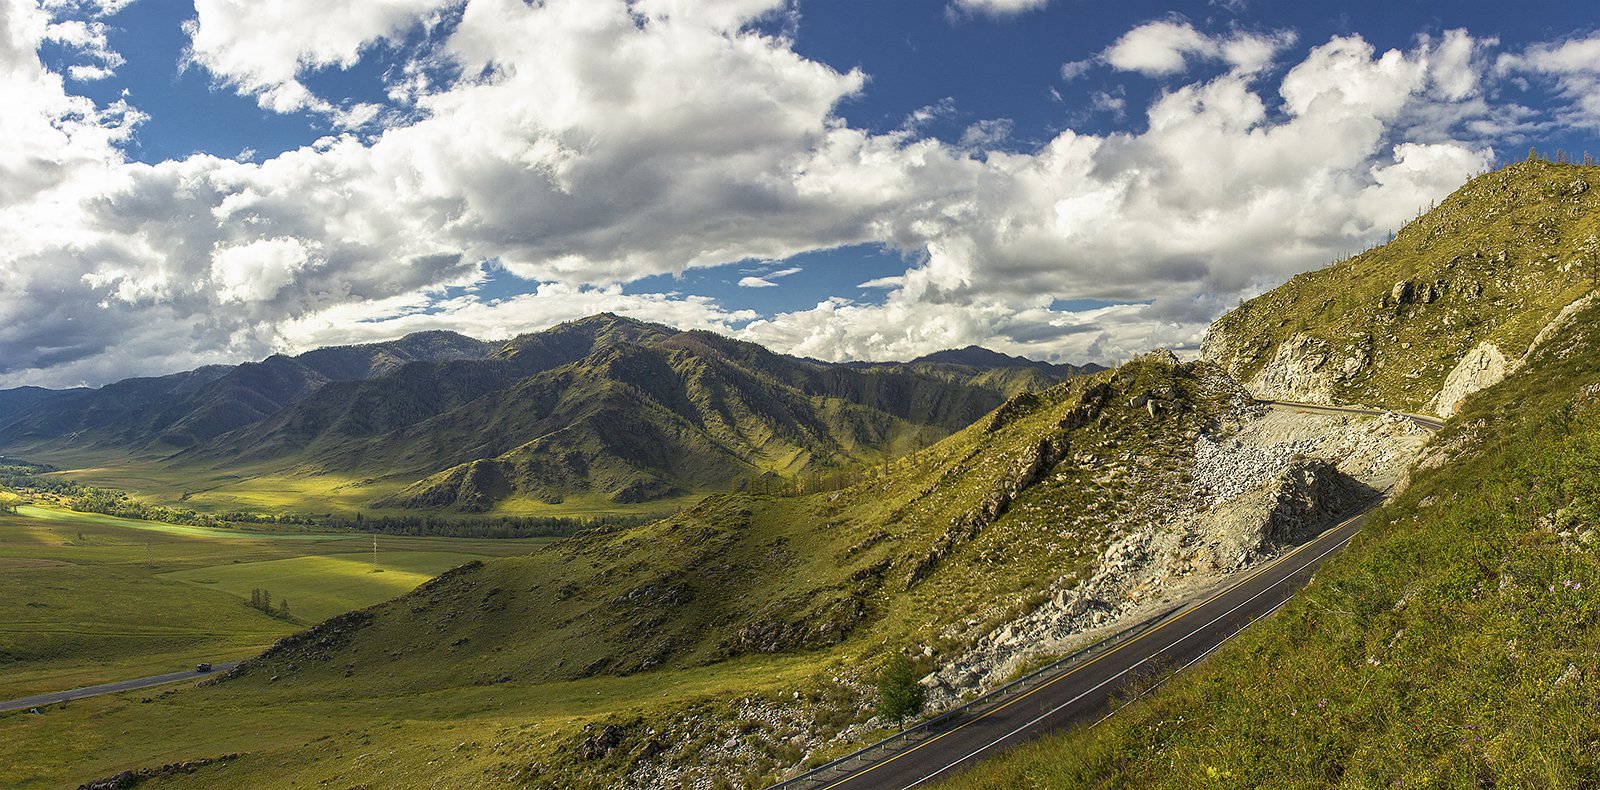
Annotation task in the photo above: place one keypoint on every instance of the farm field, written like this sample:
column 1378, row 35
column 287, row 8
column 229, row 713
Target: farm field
column 87, row 598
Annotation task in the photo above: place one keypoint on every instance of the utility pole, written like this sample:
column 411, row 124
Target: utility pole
column 374, row 553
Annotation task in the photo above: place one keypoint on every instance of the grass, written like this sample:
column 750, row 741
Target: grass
column 1452, row 644
column 739, row 597
column 87, row 598
column 1506, row 252
column 321, row 586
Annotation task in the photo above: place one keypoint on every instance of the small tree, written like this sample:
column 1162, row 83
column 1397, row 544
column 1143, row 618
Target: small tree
column 10, row 501
column 899, row 693
column 283, row 608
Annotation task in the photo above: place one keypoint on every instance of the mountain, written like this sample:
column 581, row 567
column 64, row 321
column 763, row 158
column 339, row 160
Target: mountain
column 21, row 399
column 1454, row 635
column 592, row 414
column 740, row 638
column 163, row 413
column 1456, row 301
column 984, row 359
column 608, row 409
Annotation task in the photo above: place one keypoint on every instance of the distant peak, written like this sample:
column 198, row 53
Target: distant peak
column 975, row 355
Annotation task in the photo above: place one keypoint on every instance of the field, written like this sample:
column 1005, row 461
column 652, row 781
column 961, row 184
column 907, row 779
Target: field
column 87, row 598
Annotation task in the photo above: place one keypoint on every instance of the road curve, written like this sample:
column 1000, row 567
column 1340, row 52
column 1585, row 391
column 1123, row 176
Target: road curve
column 1421, row 420
column 1084, row 692
column 111, row 688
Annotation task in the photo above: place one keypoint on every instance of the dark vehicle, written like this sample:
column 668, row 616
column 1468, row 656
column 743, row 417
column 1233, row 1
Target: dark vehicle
column 202, row 667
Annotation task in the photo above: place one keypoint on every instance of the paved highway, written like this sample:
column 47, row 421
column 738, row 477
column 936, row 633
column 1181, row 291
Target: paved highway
column 1431, row 423
column 111, row 688
column 1084, row 692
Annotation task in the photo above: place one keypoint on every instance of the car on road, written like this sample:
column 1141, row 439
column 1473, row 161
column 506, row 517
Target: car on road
column 202, row 667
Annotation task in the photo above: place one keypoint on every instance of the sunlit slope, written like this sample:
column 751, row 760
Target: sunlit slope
column 957, row 531
column 1451, row 304
column 611, row 410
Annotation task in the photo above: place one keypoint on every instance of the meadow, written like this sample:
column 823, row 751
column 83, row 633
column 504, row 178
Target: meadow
column 87, row 598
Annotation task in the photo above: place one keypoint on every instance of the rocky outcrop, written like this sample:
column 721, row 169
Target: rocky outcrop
column 1308, row 496
column 1271, row 479
column 1482, row 367
column 1300, row 371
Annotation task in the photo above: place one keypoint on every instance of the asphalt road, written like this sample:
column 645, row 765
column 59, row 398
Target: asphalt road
column 1085, row 692
column 111, row 688
column 1431, row 423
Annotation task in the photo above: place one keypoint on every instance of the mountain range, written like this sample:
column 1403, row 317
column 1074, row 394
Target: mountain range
column 605, row 411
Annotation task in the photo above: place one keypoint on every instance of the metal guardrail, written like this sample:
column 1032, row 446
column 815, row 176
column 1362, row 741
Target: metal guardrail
column 836, row 769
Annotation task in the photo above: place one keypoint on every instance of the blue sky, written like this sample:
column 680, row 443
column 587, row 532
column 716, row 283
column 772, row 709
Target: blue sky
column 841, row 179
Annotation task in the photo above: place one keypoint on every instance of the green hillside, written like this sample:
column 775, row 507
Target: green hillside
column 1452, row 644
column 160, row 415
column 598, row 414
column 1475, row 279
column 594, row 417
column 740, row 597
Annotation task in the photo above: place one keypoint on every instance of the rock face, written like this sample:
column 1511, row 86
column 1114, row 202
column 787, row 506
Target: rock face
column 1482, row 367
column 1300, row 371
column 1266, row 480
column 1308, row 496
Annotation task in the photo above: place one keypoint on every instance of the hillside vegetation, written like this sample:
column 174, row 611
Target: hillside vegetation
column 1453, row 642
column 1449, row 306
column 808, row 592
column 595, row 417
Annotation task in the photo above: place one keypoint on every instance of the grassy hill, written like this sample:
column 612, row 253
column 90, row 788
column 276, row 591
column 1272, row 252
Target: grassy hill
column 1452, row 644
column 161, row 414
column 1451, row 304
column 668, row 630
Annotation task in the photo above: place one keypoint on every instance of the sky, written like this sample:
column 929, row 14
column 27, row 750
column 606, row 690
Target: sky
column 186, row 183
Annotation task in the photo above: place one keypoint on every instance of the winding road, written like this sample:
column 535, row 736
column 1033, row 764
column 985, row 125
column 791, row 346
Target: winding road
column 1084, row 691
column 42, row 700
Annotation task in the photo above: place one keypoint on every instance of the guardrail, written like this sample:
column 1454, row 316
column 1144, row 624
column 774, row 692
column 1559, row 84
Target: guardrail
column 836, row 769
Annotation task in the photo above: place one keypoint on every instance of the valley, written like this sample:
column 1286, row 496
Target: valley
column 87, row 598
column 835, row 520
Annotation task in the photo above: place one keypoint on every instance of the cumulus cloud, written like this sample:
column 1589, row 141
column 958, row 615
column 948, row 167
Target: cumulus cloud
column 583, row 144
column 1573, row 65
column 1166, row 47
column 262, row 49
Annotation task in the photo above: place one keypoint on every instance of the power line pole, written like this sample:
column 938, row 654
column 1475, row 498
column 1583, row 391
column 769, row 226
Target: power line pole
column 374, row 553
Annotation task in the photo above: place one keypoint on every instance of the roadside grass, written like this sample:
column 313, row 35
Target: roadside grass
column 87, row 598
column 1452, row 644
column 456, row 737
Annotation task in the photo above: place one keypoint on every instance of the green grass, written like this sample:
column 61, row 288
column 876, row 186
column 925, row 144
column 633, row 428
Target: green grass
column 319, row 587
column 1508, row 251
column 461, row 736
column 803, row 589
column 1452, row 644
column 87, row 598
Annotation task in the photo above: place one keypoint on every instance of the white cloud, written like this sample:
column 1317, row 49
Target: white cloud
column 996, row 8
column 262, row 48
column 593, row 142
column 1573, row 65
column 766, row 280
column 1167, row 46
